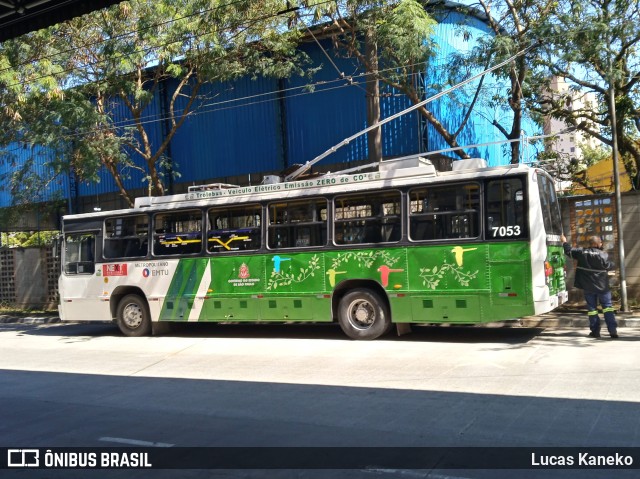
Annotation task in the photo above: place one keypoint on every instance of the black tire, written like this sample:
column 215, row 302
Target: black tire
column 133, row 316
column 363, row 315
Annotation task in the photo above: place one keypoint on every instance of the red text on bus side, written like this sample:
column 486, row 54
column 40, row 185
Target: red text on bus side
column 114, row 269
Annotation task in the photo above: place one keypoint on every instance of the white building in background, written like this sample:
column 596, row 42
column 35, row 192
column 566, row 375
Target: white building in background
column 570, row 144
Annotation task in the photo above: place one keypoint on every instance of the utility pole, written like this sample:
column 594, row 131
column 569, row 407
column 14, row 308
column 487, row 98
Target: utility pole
column 616, row 182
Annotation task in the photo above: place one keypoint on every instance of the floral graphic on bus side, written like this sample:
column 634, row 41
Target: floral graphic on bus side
column 431, row 277
column 280, row 278
column 365, row 259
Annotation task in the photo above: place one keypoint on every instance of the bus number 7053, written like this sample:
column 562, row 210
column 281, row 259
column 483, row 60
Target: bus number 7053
column 505, row 231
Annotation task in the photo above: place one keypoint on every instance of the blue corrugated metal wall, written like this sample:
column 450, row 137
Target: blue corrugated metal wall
column 318, row 120
column 336, row 109
column 36, row 159
column 132, row 177
column 236, row 131
column 450, row 109
column 245, row 127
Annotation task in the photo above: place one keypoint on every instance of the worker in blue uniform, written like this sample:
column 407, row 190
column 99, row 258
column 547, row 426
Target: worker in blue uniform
column 592, row 277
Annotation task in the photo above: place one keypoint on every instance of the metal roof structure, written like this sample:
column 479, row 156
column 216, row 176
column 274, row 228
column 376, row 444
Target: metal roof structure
column 18, row 17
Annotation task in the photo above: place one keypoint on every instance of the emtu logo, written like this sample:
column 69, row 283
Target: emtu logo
column 23, row 458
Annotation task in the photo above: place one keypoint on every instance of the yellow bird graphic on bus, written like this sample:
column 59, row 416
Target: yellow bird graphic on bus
column 332, row 276
column 459, row 252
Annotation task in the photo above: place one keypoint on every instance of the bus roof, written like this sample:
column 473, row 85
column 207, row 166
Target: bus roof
column 406, row 171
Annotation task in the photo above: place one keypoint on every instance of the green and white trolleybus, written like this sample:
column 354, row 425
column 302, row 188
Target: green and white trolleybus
column 403, row 245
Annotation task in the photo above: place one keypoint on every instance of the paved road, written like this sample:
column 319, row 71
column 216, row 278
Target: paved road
column 219, row 385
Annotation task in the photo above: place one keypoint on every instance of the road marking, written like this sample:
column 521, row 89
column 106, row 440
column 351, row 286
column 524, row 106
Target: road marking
column 410, row 473
column 134, row 442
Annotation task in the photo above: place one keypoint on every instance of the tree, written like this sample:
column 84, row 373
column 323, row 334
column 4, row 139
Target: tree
column 594, row 46
column 400, row 33
column 514, row 25
column 573, row 172
column 124, row 56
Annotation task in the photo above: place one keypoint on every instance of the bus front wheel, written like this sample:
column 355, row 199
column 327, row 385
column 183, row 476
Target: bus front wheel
column 363, row 315
column 133, row 316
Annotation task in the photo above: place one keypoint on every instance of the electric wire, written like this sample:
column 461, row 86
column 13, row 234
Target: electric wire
column 320, row 85
column 117, row 37
column 270, row 93
column 151, row 48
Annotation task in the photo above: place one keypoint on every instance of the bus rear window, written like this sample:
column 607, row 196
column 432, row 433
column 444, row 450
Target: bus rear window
column 505, row 212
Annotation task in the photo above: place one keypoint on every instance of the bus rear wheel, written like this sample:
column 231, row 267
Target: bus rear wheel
column 133, row 316
column 363, row 315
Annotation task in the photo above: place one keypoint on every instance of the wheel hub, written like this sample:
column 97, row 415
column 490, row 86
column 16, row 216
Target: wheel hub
column 132, row 316
column 362, row 315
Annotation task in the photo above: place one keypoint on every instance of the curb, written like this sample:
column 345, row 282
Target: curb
column 572, row 323
column 577, row 320
column 4, row 319
column 543, row 321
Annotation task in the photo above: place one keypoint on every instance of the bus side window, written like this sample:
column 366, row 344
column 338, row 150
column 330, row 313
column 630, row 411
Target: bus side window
column 444, row 212
column 235, row 229
column 498, row 203
column 297, row 224
column 368, row 218
column 423, row 220
column 125, row 237
column 425, row 228
column 279, row 238
column 177, row 232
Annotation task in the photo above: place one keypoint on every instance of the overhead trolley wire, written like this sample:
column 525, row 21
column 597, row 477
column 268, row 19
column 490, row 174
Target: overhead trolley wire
column 346, row 141
column 150, row 119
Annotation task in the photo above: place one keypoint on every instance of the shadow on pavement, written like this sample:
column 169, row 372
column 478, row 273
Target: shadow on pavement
column 45, row 409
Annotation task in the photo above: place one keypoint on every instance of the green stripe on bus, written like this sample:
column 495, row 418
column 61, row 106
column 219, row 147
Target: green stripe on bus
column 182, row 290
